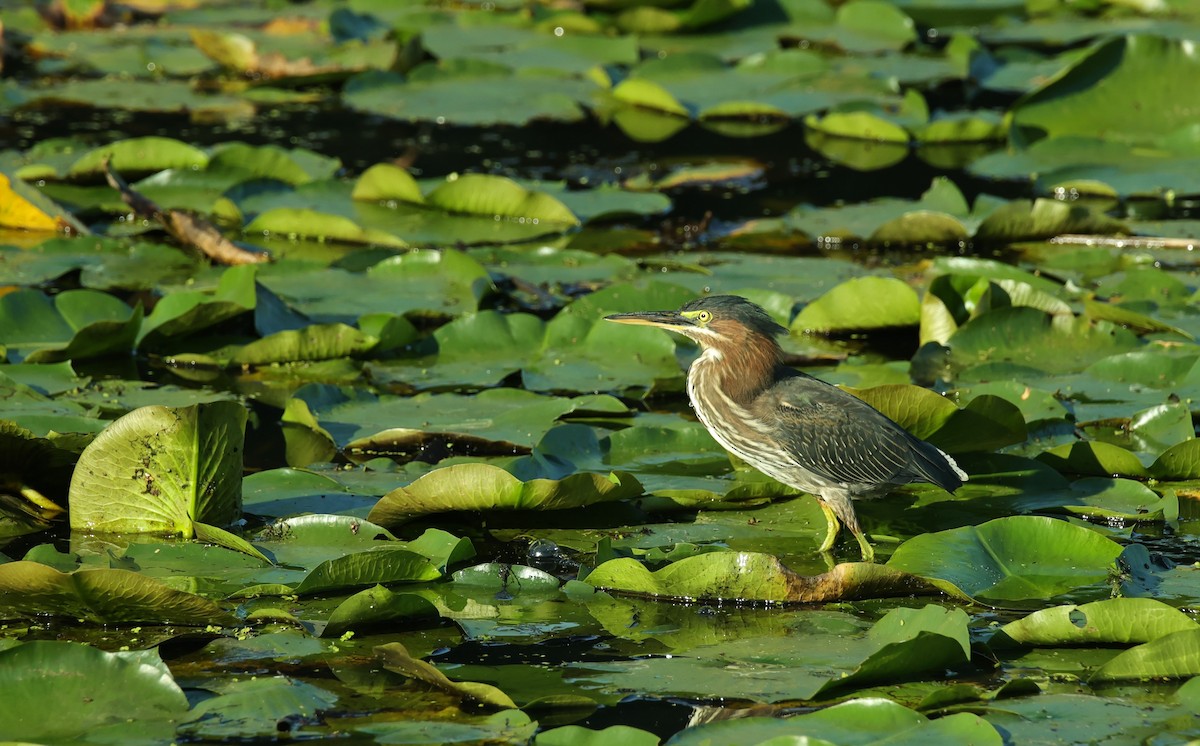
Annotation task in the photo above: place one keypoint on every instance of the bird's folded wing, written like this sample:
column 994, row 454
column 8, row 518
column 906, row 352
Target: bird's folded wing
column 841, row 438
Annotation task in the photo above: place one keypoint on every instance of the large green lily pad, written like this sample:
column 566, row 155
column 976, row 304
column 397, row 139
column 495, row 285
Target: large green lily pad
column 128, row 697
column 162, row 470
column 1009, row 559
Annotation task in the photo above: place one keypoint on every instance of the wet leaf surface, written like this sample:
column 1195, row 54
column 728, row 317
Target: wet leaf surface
column 425, row 484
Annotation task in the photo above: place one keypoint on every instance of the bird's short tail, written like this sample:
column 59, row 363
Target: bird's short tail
column 935, row 466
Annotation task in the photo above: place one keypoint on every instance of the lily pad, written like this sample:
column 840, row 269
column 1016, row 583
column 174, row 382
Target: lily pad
column 378, row 606
column 1053, row 343
column 102, row 596
column 246, row 707
column 477, row 95
column 861, row 721
column 864, row 303
column 1009, row 559
column 128, row 697
column 187, row 312
column 1076, row 102
column 436, row 282
column 73, row 325
column 482, row 487
column 139, row 154
column 162, row 469
column 397, row 658
column 513, row 420
column 745, row 576
column 1118, row 620
column 1172, row 656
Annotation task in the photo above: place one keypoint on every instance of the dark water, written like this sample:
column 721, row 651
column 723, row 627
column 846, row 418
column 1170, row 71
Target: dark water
column 580, row 153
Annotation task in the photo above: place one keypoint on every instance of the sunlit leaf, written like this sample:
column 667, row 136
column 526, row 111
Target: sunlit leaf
column 482, row 487
column 159, row 469
column 1173, row 656
column 1132, row 67
column 746, row 576
column 102, row 596
column 377, row 606
column 864, row 721
column 864, row 303
column 1117, row 620
column 1009, row 559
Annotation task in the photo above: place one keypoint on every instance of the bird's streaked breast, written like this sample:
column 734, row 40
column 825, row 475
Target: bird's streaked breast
column 738, row 430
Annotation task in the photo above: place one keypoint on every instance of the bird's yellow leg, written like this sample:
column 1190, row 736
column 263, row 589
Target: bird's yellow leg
column 868, row 551
column 832, row 524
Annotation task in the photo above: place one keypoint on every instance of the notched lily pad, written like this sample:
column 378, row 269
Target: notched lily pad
column 1119, row 620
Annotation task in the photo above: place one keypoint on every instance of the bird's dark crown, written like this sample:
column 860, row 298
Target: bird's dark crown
column 736, row 308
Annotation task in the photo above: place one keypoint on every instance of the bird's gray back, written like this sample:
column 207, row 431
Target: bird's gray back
column 840, row 438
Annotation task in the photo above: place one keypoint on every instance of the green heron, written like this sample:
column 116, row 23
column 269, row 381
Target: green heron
column 802, row 431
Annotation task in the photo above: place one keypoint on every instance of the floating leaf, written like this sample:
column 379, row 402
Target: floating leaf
column 499, row 197
column 745, row 576
column 379, row 565
column 1022, row 220
column 1009, row 559
column 102, row 596
column 1119, row 620
column 160, row 469
column 1172, row 656
column 910, row 641
column 397, row 658
column 383, row 181
column 863, row 303
column 292, row 223
column 1053, row 343
column 72, row 325
column 1076, row 102
column 186, row 312
column 255, row 706
column 508, row 420
column 863, row 721
column 24, row 209
column 1180, row 461
column 125, row 697
column 435, row 282
column 316, row 342
column 1094, row 458
column 496, row 95
column 377, row 606
column 139, row 155
column 575, row 735
column 483, row 487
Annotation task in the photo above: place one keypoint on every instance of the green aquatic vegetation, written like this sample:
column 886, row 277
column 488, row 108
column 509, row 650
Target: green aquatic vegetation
column 401, row 484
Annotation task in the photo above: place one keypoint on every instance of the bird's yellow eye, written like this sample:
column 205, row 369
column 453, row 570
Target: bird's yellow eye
column 704, row 316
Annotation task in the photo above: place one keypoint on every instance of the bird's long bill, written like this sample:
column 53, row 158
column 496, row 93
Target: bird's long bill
column 663, row 319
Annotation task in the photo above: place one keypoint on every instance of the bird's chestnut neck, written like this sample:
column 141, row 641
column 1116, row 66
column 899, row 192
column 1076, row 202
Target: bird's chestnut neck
column 743, row 363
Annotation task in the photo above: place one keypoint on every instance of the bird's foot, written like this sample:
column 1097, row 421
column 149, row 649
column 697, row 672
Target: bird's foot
column 868, row 551
column 831, row 521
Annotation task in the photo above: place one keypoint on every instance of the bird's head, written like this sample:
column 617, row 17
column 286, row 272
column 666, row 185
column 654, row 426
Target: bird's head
column 719, row 322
